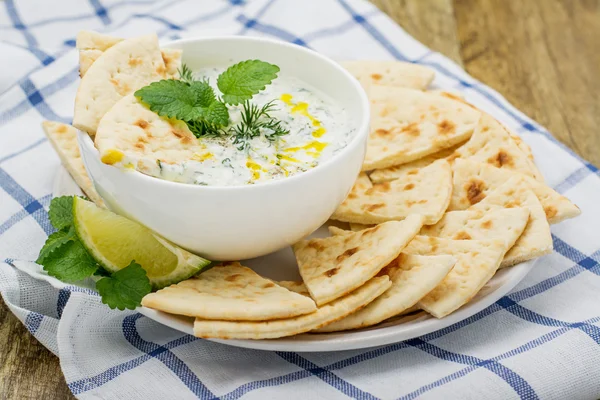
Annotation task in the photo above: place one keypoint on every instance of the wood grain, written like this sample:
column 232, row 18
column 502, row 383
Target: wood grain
column 543, row 55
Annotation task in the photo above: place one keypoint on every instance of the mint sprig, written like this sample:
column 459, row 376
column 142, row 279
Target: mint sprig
column 245, row 79
column 64, row 257
column 124, row 288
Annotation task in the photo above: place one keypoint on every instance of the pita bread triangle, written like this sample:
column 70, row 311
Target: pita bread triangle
column 477, row 224
column 536, row 239
column 392, row 73
column 63, row 139
column 121, row 70
column 91, row 45
column 473, row 181
column 324, row 315
column 229, row 291
column 392, row 173
column 408, row 124
column 476, row 263
column 412, row 278
column 425, row 191
column 334, row 266
column 491, row 143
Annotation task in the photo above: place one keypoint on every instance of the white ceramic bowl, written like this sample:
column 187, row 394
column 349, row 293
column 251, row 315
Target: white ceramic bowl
column 240, row 222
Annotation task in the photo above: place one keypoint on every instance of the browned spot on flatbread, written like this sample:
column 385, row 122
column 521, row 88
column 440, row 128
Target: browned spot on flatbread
column 411, row 203
column 372, row 207
column 550, row 211
column 410, row 186
column 141, row 123
column 331, row 272
column 376, row 77
column 346, row 254
column 487, row 224
column 445, row 127
column 462, row 235
column 232, row 278
column 161, row 70
column 352, row 196
column 382, row 132
column 134, row 61
column 501, row 159
column 413, row 172
column 185, row 139
column 61, row 129
column 474, row 189
column 268, row 285
column 139, row 146
column 166, row 59
column 513, row 203
column 411, row 129
column 316, row 245
column 485, row 129
column 369, row 231
column 452, row 157
column 381, row 187
column 391, row 267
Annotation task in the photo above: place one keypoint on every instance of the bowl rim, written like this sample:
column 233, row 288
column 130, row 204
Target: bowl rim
column 357, row 139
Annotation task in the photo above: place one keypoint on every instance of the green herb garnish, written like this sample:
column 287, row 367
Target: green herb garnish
column 206, row 115
column 66, row 258
column 253, row 120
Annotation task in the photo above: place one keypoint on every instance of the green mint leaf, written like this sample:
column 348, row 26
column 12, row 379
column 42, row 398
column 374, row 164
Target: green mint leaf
column 70, row 262
column 245, row 79
column 61, row 212
column 55, row 241
column 217, row 114
column 124, row 288
column 171, row 98
column 205, row 95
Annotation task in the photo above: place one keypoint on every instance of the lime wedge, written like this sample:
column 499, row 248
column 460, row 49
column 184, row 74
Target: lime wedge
column 115, row 241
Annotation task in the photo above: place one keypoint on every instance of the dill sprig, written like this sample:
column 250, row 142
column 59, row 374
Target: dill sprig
column 255, row 119
column 185, row 74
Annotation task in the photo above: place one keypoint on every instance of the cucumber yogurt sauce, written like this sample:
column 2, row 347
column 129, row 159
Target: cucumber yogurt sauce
column 318, row 129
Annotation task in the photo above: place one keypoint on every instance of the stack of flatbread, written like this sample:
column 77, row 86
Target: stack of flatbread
column 447, row 196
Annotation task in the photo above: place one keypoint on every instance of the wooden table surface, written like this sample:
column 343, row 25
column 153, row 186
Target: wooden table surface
column 542, row 55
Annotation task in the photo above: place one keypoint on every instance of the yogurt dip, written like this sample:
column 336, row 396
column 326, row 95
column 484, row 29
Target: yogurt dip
column 318, row 129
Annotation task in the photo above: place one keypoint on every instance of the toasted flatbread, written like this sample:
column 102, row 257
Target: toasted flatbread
column 412, row 278
column 334, row 266
column 425, row 191
column 477, row 262
column 408, row 124
column 392, row 173
column 324, row 315
column 91, row 45
column 132, row 135
column 478, row 224
column 473, row 181
column 121, row 70
column 536, row 239
column 63, row 139
column 229, row 291
column 391, row 73
column 491, row 143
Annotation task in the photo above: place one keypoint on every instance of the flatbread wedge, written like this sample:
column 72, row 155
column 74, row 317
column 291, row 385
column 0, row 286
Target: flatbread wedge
column 425, row 191
column 334, row 266
column 229, row 292
column 412, row 278
column 536, row 239
column 132, row 135
column 121, row 70
column 477, row 224
column 63, row 139
column 476, row 263
column 491, row 143
column 324, row 315
column 408, row 124
column 391, row 73
column 91, row 45
column 392, row 173
column 473, row 181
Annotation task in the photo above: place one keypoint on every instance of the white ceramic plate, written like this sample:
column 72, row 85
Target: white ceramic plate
column 282, row 266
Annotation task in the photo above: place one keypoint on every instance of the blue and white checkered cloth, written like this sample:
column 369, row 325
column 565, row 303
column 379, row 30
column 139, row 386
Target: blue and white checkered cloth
column 540, row 341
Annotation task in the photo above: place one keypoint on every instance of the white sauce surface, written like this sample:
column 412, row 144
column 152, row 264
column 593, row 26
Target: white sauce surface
column 319, row 128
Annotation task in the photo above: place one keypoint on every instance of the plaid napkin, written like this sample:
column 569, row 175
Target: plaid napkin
column 540, row 341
